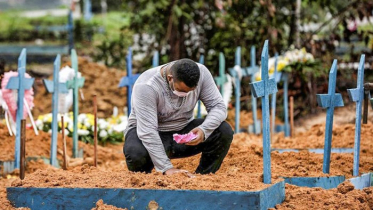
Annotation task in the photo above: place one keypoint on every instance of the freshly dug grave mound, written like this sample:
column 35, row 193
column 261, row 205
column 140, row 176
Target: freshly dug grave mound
column 99, row 80
column 241, row 171
column 343, row 137
column 39, row 146
column 343, row 197
column 246, row 118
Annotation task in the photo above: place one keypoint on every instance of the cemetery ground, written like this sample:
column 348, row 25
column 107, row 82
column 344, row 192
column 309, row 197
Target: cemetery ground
column 240, row 171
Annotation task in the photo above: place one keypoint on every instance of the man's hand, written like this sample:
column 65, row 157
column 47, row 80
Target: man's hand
column 175, row 171
column 199, row 139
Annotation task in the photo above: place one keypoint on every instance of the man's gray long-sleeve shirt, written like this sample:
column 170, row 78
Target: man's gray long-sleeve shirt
column 152, row 111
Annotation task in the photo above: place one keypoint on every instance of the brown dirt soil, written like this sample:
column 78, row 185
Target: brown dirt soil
column 343, row 197
column 39, row 146
column 99, row 80
column 246, row 118
column 343, row 137
column 241, row 170
column 100, row 205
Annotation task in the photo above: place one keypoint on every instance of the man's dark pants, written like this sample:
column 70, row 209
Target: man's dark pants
column 214, row 148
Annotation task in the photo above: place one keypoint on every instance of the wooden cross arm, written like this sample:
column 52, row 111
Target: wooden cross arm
column 62, row 87
column 251, row 70
column 79, row 83
column 236, row 71
column 127, row 81
column 355, row 94
column 259, row 90
column 13, row 83
column 323, row 100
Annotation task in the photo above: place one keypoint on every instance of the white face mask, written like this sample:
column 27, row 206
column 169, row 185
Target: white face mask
column 178, row 93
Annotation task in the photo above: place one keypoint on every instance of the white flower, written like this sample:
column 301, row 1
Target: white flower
column 102, row 124
column 82, row 117
column 39, row 124
column 103, row 134
column 82, row 132
column 120, row 127
column 123, row 118
column 87, row 124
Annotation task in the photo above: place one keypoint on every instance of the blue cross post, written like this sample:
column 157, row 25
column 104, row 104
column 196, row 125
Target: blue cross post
column 357, row 95
column 21, row 84
column 285, row 79
column 235, row 73
column 263, row 89
column 201, row 61
column 251, row 71
column 87, row 10
column 55, row 87
column 329, row 101
column 221, row 79
column 70, row 29
column 155, row 60
column 129, row 80
column 75, row 84
column 273, row 102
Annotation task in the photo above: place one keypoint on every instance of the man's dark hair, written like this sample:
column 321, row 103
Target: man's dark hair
column 187, row 71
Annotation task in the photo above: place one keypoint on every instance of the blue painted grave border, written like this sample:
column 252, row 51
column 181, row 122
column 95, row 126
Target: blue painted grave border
column 323, row 182
column 316, row 150
column 85, row 198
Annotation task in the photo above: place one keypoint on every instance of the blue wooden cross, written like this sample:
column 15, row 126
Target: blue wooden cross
column 70, row 29
column 357, row 95
column 273, row 104
column 21, row 84
column 129, row 80
column 221, row 79
column 263, row 89
column 285, row 79
column 201, row 61
column 87, row 10
column 251, row 71
column 55, row 87
column 329, row 101
column 234, row 72
column 75, row 84
column 155, row 61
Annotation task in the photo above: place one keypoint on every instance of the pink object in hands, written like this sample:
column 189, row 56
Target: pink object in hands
column 184, row 138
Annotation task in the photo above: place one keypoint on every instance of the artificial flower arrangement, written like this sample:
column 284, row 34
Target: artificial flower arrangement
column 292, row 59
column 108, row 130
